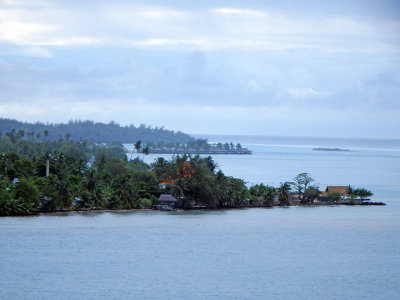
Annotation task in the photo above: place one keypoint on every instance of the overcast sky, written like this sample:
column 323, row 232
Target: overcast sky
column 297, row 68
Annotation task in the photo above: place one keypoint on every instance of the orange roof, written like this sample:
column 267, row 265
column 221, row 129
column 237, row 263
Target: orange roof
column 169, row 180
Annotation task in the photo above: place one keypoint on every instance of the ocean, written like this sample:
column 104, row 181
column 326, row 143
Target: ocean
column 338, row 252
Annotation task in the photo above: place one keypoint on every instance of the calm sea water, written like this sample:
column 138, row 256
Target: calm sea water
column 279, row 253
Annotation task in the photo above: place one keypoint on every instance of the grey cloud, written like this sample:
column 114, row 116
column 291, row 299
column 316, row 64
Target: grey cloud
column 190, row 79
column 291, row 62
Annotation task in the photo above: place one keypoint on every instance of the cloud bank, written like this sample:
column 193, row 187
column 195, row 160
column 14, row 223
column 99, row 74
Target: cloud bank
column 258, row 68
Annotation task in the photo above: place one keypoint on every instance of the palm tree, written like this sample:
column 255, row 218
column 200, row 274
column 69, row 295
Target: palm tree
column 122, row 186
column 146, row 150
column 159, row 165
column 269, row 196
column 137, row 146
column 92, row 186
column 84, row 201
column 283, row 195
column 211, row 164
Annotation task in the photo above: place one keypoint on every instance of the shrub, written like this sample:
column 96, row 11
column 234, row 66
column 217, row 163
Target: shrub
column 145, row 203
column 334, row 196
column 27, row 193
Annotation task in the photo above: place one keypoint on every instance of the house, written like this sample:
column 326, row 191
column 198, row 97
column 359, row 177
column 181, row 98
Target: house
column 166, row 202
column 345, row 196
column 343, row 190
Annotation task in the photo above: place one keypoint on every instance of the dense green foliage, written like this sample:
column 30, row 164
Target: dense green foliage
column 262, row 195
column 360, row 192
column 85, row 175
column 89, row 130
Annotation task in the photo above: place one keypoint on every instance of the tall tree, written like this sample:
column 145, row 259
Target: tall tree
column 301, row 182
column 124, row 191
column 283, row 194
column 146, row 150
column 137, row 146
column 311, row 194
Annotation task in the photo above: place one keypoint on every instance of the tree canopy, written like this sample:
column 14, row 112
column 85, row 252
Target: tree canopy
column 91, row 131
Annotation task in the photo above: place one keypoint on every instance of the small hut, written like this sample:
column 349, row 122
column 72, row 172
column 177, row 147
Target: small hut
column 166, row 202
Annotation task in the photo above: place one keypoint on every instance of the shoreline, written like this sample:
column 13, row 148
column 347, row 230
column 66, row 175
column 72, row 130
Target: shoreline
column 68, row 211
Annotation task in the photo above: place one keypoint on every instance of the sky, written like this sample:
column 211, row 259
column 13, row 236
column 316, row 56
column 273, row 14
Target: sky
column 292, row 68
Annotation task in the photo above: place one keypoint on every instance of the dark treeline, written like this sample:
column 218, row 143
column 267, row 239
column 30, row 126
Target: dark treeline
column 97, row 132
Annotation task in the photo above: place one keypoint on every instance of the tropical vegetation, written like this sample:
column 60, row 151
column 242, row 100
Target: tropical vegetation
column 87, row 175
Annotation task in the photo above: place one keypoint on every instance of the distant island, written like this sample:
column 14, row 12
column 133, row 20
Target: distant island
column 199, row 146
column 156, row 140
column 331, row 149
column 94, row 131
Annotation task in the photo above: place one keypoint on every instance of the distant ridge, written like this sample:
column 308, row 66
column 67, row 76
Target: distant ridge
column 95, row 131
